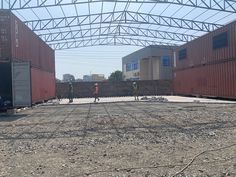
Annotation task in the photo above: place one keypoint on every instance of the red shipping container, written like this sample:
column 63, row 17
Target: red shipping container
column 43, row 85
column 215, row 80
column 201, row 51
column 18, row 42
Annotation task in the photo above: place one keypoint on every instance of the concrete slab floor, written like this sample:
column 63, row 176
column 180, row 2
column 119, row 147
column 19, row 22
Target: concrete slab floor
column 179, row 99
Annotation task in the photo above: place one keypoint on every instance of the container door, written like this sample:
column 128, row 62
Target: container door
column 21, row 84
column 5, row 85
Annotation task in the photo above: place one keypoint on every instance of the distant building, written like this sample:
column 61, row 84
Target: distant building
column 68, row 77
column 98, row 77
column 87, row 78
column 78, row 80
column 150, row 63
column 94, row 78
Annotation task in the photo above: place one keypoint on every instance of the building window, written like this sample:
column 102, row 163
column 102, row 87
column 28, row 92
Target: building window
column 132, row 66
column 182, row 54
column 220, row 40
column 166, row 60
column 128, row 67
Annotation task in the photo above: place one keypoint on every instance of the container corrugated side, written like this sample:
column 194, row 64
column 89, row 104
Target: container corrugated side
column 47, row 58
column 43, row 85
column 216, row 80
column 229, row 52
column 19, row 42
column 25, row 45
column 5, row 36
column 200, row 51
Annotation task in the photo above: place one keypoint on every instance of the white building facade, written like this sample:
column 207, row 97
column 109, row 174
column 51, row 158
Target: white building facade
column 150, row 63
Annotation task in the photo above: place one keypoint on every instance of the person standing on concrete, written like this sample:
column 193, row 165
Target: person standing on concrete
column 135, row 90
column 71, row 92
column 95, row 92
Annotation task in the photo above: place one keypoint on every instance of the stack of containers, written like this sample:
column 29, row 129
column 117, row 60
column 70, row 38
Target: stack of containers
column 19, row 44
column 207, row 66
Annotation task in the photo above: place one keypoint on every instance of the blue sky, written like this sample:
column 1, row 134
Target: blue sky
column 97, row 59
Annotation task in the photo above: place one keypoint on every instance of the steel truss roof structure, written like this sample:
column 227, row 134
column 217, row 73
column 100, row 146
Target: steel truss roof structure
column 65, row 24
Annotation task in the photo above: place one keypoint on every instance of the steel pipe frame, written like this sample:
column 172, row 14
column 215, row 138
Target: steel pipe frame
column 224, row 5
column 121, row 18
column 117, row 31
column 113, row 40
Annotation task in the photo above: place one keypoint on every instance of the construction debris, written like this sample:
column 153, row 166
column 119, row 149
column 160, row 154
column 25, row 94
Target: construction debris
column 154, row 99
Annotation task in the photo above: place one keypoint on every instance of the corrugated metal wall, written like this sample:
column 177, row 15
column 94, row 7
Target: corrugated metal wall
column 43, row 85
column 200, row 51
column 207, row 71
column 217, row 80
column 110, row 89
column 18, row 42
column 5, row 32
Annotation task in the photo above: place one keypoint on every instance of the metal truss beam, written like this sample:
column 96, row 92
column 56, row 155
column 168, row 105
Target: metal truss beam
column 120, row 17
column 116, row 31
column 219, row 5
column 106, row 41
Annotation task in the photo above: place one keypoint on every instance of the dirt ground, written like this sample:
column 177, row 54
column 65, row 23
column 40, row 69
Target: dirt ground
column 126, row 139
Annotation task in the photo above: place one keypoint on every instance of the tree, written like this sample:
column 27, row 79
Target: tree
column 68, row 78
column 116, row 76
column 58, row 80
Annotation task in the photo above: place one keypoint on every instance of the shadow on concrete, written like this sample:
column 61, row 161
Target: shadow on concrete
column 11, row 118
column 135, row 131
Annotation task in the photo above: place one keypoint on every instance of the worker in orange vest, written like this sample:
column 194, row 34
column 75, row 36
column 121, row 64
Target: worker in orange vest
column 95, row 92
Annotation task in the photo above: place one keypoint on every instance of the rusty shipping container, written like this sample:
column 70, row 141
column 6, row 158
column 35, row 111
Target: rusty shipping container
column 31, row 61
column 18, row 42
column 214, row 47
column 214, row 80
column 22, row 85
column 43, row 85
